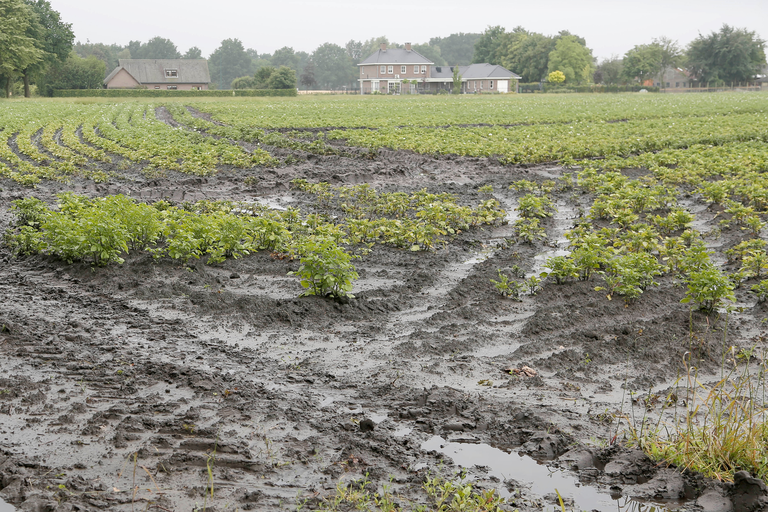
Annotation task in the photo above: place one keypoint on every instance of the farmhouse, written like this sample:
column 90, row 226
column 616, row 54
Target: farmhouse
column 674, row 78
column 169, row 74
column 406, row 71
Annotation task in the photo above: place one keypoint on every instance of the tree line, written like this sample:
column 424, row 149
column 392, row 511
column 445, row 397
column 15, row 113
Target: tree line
column 728, row 55
column 37, row 47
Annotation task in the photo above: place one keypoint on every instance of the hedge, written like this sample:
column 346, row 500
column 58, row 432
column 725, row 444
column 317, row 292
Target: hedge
column 551, row 88
column 164, row 93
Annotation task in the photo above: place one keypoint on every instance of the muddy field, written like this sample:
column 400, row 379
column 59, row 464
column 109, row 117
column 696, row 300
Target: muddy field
column 137, row 386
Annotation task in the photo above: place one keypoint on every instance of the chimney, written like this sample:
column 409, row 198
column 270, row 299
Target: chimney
column 383, row 47
column 407, row 47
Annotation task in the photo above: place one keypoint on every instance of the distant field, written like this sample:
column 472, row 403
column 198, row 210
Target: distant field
column 58, row 139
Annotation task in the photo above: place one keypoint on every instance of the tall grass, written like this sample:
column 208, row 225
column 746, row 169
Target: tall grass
column 724, row 426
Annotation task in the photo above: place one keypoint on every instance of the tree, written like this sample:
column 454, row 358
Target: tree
column 18, row 51
column 193, row 53
column 609, row 71
column 262, row 77
column 487, row 45
column 285, row 56
column 108, row 54
column 53, row 37
column 333, row 67
column 157, row 48
column 74, row 73
column 244, row 82
column 228, row 62
column 526, row 53
column 642, row 62
column 730, row 55
column 282, row 78
column 456, row 80
column 258, row 61
column 573, row 59
column 431, row 52
column 458, row 48
column 307, row 77
column 371, row 46
column 355, row 50
column 671, row 53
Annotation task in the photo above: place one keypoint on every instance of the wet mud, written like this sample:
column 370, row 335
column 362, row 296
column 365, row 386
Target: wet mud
column 144, row 385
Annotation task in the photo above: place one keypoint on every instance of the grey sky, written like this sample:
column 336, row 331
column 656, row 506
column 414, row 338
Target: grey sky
column 610, row 27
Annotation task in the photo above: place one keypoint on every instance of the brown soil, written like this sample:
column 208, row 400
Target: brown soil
column 120, row 387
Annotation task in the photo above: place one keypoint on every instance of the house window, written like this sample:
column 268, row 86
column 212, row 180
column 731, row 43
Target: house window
column 171, row 73
column 423, row 69
column 390, row 69
column 394, row 87
column 677, row 84
column 157, row 87
column 402, row 69
column 172, row 87
column 383, row 69
column 667, row 84
column 491, row 85
column 416, row 69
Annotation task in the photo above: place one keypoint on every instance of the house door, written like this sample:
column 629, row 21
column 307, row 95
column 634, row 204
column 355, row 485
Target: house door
column 503, row 85
column 394, row 87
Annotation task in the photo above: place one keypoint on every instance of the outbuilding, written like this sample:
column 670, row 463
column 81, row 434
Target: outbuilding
column 168, row 74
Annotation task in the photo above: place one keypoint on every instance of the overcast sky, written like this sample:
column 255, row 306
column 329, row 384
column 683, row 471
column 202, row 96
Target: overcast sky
column 610, row 27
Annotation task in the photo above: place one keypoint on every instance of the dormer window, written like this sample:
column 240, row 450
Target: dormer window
column 171, row 73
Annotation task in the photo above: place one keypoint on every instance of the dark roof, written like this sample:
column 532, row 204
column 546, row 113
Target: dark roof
column 152, row 71
column 396, row 56
column 473, row 72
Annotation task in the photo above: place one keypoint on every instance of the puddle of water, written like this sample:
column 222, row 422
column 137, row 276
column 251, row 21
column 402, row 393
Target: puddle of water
column 402, row 432
column 272, row 202
column 5, row 507
column 541, row 479
column 377, row 418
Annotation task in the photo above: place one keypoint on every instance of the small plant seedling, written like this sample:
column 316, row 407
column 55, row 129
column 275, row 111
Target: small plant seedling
column 534, row 284
column 761, row 290
column 486, row 189
column 506, row 286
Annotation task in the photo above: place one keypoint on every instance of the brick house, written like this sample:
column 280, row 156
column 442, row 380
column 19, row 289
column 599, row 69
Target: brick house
column 394, row 70
column 169, row 74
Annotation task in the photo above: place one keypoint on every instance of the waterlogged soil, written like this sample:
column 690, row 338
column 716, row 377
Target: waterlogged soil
column 154, row 385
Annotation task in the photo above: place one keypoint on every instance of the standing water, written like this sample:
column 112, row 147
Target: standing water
column 540, row 479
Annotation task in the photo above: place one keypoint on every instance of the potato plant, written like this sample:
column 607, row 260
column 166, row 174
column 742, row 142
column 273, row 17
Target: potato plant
column 326, row 269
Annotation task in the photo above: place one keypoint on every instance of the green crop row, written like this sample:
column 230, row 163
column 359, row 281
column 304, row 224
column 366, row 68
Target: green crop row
column 58, row 140
column 469, row 110
column 104, row 230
